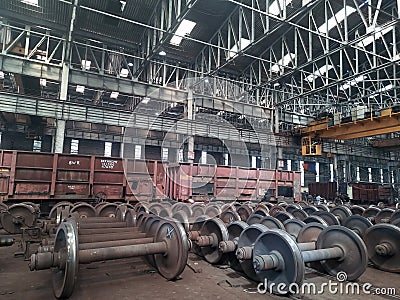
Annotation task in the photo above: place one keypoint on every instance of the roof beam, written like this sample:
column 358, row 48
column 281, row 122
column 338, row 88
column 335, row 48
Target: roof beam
column 167, row 16
column 227, row 44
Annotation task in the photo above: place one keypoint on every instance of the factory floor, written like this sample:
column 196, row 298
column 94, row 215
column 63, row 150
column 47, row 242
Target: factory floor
column 133, row 279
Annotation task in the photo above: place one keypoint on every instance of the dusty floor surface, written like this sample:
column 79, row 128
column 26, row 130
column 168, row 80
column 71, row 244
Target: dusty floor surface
column 133, row 279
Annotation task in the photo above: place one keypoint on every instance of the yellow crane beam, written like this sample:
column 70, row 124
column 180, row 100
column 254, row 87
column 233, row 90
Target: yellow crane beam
column 357, row 129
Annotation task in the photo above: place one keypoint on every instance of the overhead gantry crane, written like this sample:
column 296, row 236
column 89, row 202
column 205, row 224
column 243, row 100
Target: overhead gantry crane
column 388, row 121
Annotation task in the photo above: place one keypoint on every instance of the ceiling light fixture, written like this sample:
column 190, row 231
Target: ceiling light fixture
column 124, row 73
column 86, row 64
column 80, row 89
column 114, row 95
column 163, row 53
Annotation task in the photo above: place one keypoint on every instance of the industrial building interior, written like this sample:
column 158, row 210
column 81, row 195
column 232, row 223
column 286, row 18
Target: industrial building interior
column 251, row 102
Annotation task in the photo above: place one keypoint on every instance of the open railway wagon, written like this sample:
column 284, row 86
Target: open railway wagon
column 48, row 177
column 204, row 182
column 359, row 192
column 368, row 193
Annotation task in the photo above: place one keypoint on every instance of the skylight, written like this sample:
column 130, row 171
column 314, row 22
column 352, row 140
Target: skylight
column 320, row 72
column 276, row 6
column 378, row 33
column 185, row 28
column 353, row 82
column 123, row 5
column 386, row 88
column 244, row 43
column 31, row 2
column 339, row 17
column 285, row 61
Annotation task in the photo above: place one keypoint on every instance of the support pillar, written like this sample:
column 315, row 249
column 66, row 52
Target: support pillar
column 190, row 116
column 59, row 138
column 60, row 132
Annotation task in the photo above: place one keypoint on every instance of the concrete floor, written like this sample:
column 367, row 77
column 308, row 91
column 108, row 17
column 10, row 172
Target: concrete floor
column 133, row 279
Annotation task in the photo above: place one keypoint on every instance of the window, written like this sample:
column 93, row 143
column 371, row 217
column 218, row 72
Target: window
column 289, row 165
column 226, row 159
column 37, row 146
column 138, row 152
column 107, row 149
column 74, row 146
column 180, row 155
column 164, row 155
column 203, row 157
column 254, row 162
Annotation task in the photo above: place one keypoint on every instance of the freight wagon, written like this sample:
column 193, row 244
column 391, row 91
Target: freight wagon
column 366, row 192
column 203, row 182
column 360, row 192
column 33, row 176
column 49, row 178
column 327, row 190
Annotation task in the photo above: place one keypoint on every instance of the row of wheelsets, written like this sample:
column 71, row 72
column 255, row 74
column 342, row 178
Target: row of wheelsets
column 267, row 243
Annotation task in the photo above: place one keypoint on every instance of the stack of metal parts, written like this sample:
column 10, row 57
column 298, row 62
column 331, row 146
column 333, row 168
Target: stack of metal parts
column 374, row 235
column 82, row 239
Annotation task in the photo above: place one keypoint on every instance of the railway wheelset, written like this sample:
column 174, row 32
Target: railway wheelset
column 81, row 240
column 26, row 220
